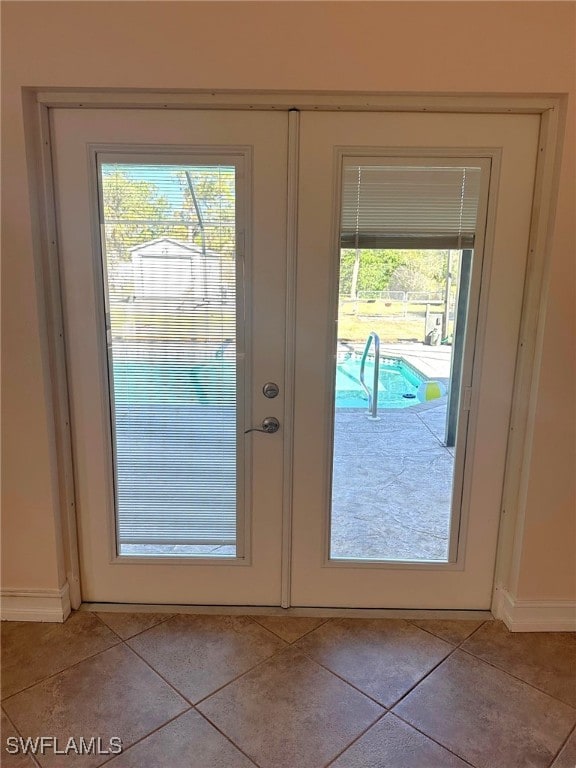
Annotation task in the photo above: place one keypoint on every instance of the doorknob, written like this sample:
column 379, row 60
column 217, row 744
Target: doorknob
column 270, row 425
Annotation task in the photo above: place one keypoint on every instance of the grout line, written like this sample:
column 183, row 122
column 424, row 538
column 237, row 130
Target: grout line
column 60, row 671
column 161, row 621
column 190, row 706
column 573, row 731
column 461, row 643
column 500, row 669
column 343, row 679
column 454, row 649
column 515, row 677
column 225, row 735
column 294, row 645
column 261, row 626
column 142, row 738
column 414, row 622
column 246, row 672
column 194, row 704
column 160, row 675
column 360, row 735
column 13, row 724
column 409, row 691
column 291, row 642
column 106, row 625
column 390, row 707
column 439, row 743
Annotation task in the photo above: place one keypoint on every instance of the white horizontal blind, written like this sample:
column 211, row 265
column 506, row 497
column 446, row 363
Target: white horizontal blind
column 169, row 240
column 407, row 205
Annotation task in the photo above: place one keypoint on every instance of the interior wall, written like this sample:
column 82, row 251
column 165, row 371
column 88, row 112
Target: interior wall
column 342, row 46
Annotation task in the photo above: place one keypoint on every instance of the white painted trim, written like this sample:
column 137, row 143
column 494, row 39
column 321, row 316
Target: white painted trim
column 534, row 615
column 35, row 604
column 530, row 350
column 289, row 352
column 45, row 251
column 301, row 100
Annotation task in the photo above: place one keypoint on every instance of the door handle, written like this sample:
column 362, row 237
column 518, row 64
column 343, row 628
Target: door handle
column 269, row 425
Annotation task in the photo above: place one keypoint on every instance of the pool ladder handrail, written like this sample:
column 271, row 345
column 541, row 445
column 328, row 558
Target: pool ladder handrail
column 372, row 396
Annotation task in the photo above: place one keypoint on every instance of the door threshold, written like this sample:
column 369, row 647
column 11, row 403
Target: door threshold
column 303, row 611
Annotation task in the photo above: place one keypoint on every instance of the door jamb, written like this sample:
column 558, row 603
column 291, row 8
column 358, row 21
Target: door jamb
column 551, row 107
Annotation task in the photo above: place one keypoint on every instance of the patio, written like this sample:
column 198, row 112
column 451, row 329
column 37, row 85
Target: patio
column 392, row 478
column 392, row 485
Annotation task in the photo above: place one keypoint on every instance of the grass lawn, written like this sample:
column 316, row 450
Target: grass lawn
column 391, row 320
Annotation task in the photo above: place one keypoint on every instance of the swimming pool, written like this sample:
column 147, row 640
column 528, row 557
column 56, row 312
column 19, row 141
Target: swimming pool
column 398, row 385
column 150, row 382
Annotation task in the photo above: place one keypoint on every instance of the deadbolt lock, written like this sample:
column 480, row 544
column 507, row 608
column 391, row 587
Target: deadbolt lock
column 270, row 390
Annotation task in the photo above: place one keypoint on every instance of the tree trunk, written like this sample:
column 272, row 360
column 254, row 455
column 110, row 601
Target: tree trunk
column 355, row 272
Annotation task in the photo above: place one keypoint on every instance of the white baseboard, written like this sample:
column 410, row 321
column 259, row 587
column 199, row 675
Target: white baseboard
column 534, row 615
column 35, row 604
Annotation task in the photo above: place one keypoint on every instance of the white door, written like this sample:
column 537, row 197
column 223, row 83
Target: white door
column 412, row 228
column 397, row 495
column 172, row 242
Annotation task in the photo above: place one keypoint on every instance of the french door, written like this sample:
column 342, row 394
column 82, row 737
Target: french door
column 172, row 240
column 403, row 511
column 174, row 236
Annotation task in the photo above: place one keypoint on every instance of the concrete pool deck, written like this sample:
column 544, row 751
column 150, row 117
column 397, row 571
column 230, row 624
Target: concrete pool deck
column 392, row 478
column 392, row 484
column 432, row 362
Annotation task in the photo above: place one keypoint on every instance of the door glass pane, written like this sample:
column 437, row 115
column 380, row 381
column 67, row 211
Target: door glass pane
column 406, row 248
column 169, row 234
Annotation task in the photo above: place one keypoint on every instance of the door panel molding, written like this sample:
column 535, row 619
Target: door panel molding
column 242, row 158
column 489, row 159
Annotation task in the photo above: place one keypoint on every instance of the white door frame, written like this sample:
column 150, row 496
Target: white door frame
column 552, row 109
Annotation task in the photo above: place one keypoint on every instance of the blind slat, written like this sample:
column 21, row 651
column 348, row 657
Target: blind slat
column 170, row 277
column 408, row 206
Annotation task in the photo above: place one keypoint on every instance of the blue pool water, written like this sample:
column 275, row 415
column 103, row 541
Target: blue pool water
column 396, row 379
column 174, row 383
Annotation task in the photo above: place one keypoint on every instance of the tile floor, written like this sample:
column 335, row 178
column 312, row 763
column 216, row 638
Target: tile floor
column 198, row 691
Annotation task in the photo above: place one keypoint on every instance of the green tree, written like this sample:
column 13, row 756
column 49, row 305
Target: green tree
column 214, row 225
column 133, row 211
column 408, row 277
column 373, row 269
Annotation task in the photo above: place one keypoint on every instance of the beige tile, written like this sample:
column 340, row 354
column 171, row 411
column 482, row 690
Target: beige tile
column 9, row 760
column 33, row 651
column 128, row 624
column 290, row 713
column 187, row 742
column 382, row 657
column 198, row 654
column 112, row 694
column 393, row 744
column 289, row 628
column 544, row 659
column 487, row 717
column 453, row 631
column 567, row 757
